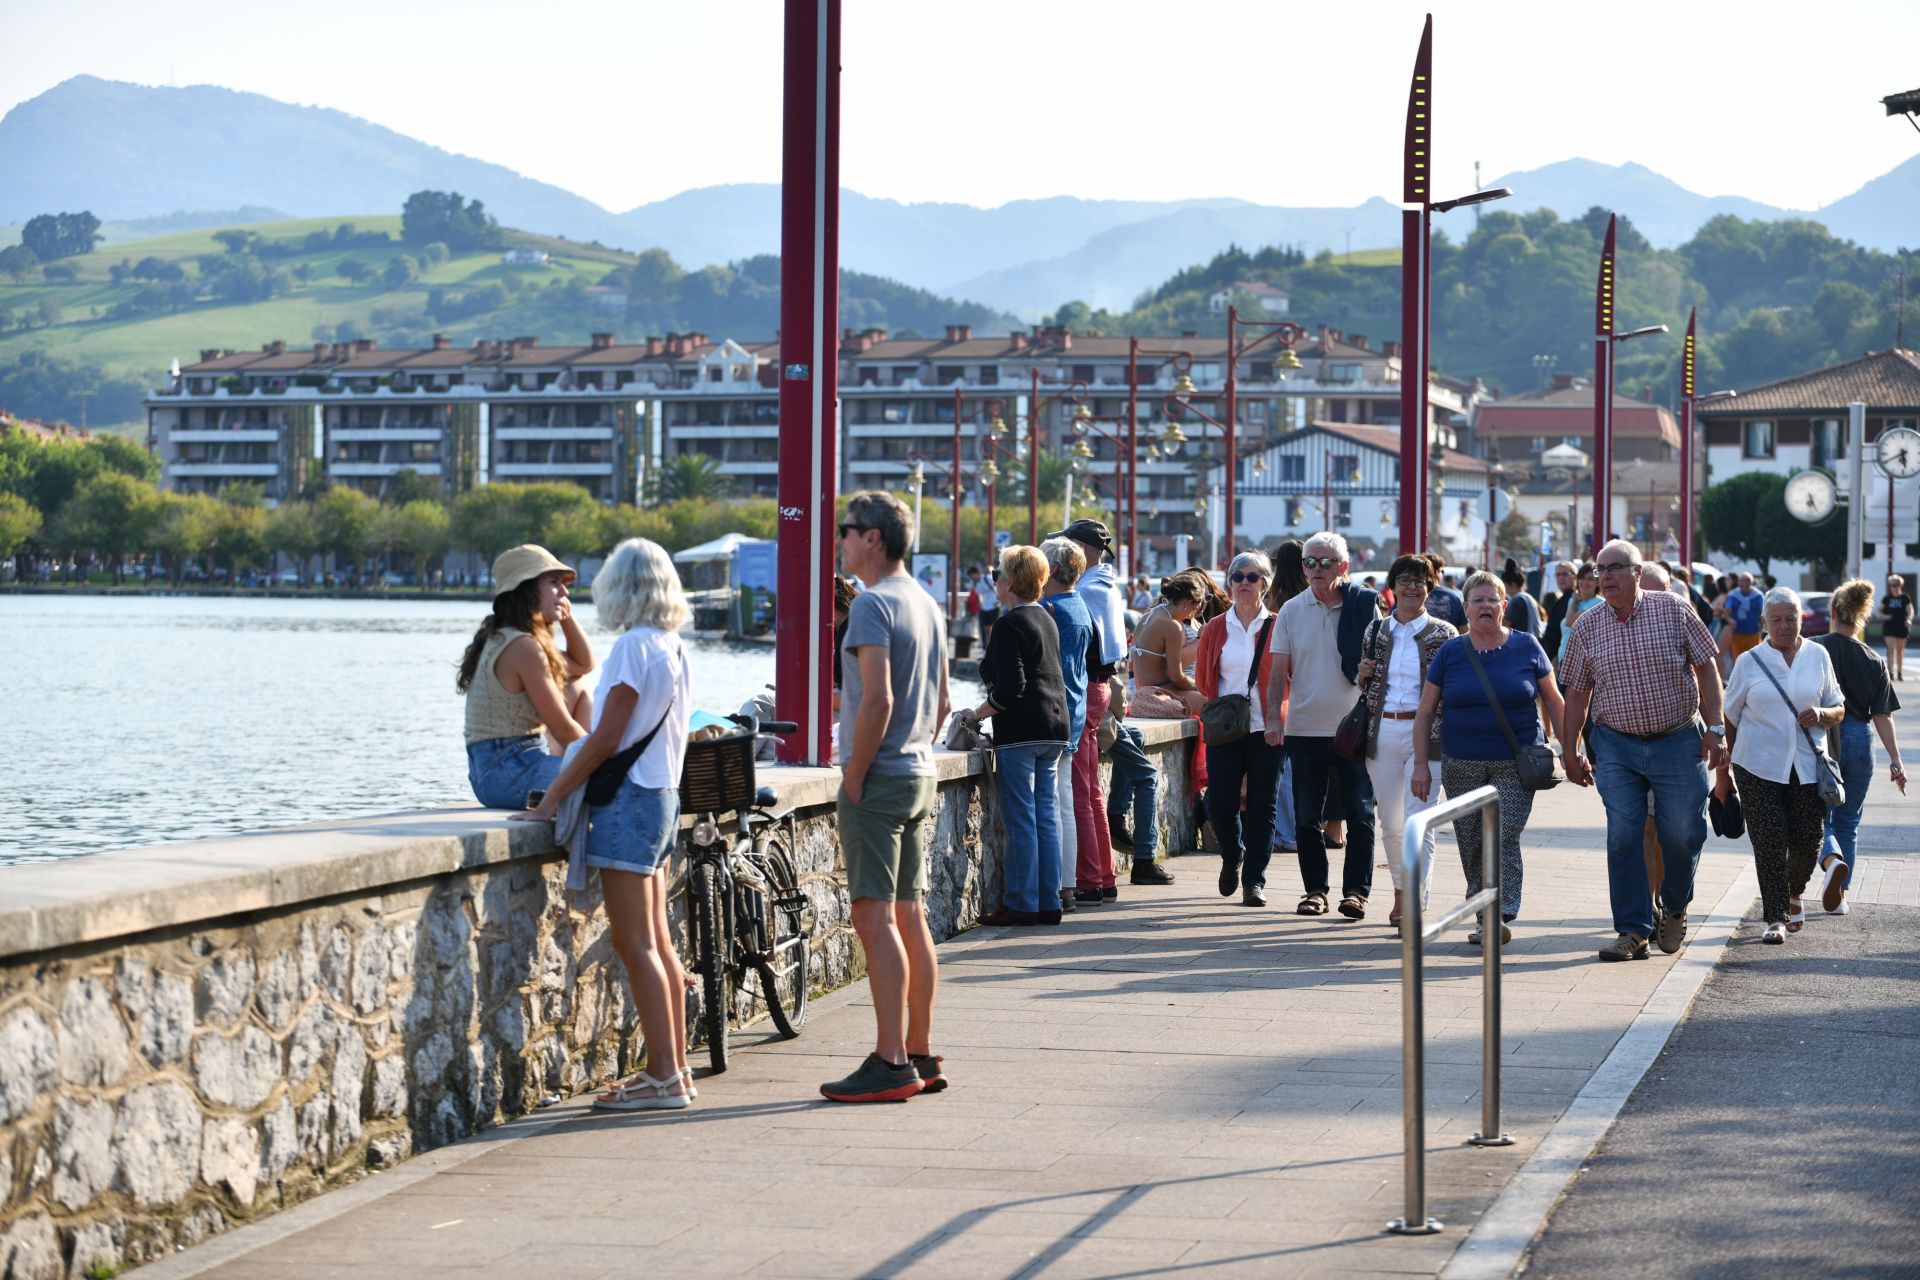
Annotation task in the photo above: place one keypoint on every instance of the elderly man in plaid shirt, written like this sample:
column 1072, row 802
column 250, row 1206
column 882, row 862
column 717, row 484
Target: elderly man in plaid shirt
column 1646, row 668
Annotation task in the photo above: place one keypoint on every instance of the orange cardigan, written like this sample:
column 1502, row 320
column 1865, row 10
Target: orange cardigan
column 1206, row 673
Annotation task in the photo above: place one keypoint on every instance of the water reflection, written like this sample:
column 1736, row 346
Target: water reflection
column 137, row 721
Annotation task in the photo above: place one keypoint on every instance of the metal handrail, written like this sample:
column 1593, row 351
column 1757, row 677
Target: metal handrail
column 1414, row 936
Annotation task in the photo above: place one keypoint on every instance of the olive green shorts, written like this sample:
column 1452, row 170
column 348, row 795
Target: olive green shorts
column 884, row 837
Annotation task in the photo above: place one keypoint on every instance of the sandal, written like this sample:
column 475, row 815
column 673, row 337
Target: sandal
column 644, row 1093
column 1353, row 907
column 1314, row 904
column 1775, row 933
column 1506, row 936
column 1796, row 915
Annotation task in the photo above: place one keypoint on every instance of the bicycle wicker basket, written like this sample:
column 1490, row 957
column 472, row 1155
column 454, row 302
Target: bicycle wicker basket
column 718, row 775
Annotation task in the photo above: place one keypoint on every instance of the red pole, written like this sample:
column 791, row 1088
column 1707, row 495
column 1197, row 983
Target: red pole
column 809, row 361
column 1603, row 393
column 953, row 504
column 1033, row 461
column 1687, row 392
column 1226, row 517
column 1416, row 316
column 1133, row 455
column 993, row 492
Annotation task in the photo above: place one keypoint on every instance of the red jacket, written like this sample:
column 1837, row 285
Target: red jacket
column 1206, row 672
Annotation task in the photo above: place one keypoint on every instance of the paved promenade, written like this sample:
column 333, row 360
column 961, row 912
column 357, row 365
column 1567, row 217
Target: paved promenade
column 1170, row 1084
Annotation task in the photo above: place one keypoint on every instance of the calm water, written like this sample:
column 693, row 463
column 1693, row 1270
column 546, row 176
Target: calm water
column 136, row 721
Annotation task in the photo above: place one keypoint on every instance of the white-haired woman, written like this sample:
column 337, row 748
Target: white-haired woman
column 1235, row 656
column 1783, row 698
column 645, row 694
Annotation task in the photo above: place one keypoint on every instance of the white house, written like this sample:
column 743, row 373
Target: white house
column 1274, row 301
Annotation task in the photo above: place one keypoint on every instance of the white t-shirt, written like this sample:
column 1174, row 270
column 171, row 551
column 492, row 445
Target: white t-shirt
column 654, row 664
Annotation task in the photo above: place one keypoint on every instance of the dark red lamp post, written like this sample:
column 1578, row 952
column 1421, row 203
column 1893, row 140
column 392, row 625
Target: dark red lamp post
column 1687, row 356
column 1604, row 341
column 1035, row 418
column 1282, row 334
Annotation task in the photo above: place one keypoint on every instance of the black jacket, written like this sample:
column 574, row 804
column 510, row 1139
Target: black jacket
column 1024, row 679
column 1360, row 608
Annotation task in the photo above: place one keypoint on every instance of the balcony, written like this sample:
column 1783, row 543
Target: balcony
column 553, row 433
column 182, row 470
column 503, row 469
column 381, row 468
column 374, row 435
column 239, row 435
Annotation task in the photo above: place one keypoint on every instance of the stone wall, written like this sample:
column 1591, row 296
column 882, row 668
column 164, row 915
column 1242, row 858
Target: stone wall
column 194, row 1035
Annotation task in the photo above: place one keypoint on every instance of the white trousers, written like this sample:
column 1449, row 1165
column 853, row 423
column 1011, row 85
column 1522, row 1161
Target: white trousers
column 1069, row 829
column 1391, row 768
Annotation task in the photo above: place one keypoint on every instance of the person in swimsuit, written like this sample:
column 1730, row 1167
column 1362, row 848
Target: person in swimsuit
column 1163, row 686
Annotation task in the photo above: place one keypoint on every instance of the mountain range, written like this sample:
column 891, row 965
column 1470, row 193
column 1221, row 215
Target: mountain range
column 130, row 152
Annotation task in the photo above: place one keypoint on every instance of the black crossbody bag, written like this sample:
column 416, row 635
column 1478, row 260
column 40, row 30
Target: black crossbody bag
column 1229, row 717
column 603, row 784
column 1535, row 760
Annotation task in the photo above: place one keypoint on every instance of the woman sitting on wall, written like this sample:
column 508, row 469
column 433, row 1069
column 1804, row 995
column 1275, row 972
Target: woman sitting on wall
column 518, row 683
column 646, row 697
column 1162, row 668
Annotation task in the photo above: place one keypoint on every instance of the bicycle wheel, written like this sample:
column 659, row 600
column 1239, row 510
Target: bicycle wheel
column 709, row 959
column 783, row 970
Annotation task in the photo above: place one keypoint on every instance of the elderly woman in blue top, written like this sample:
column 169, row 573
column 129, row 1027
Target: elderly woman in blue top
column 646, row 692
column 1066, row 562
column 1470, row 734
column 1027, row 700
column 1781, row 701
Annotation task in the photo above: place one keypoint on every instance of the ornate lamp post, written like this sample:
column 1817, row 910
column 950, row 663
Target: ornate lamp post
column 1283, row 334
column 1034, row 418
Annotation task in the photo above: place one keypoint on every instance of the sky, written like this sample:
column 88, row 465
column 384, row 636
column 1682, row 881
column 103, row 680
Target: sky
column 629, row 101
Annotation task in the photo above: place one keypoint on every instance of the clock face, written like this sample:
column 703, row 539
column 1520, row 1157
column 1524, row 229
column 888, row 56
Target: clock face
column 1811, row 496
column 1899, row 452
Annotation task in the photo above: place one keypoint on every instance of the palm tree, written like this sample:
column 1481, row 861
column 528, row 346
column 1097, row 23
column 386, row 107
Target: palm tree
column 694, row 475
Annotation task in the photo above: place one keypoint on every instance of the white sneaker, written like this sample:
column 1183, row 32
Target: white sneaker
column 1842, row 908
column 1833, row 894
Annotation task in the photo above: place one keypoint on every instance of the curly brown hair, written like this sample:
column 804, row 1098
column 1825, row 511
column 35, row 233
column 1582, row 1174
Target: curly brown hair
column 518, row 609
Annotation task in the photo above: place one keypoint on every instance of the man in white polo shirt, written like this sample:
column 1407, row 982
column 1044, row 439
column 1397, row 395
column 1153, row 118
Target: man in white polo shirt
column 1316, row 656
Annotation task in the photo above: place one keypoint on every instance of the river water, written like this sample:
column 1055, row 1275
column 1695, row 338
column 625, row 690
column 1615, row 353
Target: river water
column 137, row 720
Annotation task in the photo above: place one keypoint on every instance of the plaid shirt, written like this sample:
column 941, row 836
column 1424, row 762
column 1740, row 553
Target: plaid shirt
column 1638, row 668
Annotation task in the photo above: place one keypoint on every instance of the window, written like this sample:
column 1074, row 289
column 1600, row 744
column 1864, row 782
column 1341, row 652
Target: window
column 716, row 374
column 1573, row 442
column 423, row 450
column 1539, row 444
column 948, row 374
column 1346, row 468
column 1343, row 513
column 1083, row 373
column 1293, row 468
column 1262, row 371
column 902, row 376
column 1757, row 440
column 989, row 375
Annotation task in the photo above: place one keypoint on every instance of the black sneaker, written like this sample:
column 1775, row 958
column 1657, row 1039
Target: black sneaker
column 1088, row 897
column 876, row 1080
column 1119, row 835
column 928, row 1065
column 1229, row 878
column 1110, row 895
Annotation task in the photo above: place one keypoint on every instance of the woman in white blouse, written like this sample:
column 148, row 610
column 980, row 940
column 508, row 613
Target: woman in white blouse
column 1781, row 701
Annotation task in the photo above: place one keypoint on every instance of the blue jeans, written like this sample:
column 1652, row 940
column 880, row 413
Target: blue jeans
column 1625, row 769
column 1316, row 773
column 1135, row 788
column 1029, row 809
column 502, row 770
column 1283, row 816
column 1856, row 772
column 1258, row 764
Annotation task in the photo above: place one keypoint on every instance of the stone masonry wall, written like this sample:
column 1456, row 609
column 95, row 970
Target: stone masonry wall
column 157, row 1087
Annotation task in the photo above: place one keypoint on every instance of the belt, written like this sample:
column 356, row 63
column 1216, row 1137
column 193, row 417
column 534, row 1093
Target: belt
column 1652, row 737
column 1399, row 715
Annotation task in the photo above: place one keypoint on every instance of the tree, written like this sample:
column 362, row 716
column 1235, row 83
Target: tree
column 19, row 522
column 693, row 475
column 442, row 215
column 18, row 261
column 240, row 531
column 293, row 530
column 184, row 528
column 110, row 514
column 420, row 530
column 353, row 270
column 349, row 526
column 61, row 235
column 1729, row 514
column 400, row 271
column 489, row 520
column 409, row 485
column 577, row 531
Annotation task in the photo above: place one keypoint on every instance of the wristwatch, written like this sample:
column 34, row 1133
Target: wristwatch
column 1718, row 730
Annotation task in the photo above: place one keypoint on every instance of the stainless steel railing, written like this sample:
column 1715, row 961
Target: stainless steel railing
column 1415, row 933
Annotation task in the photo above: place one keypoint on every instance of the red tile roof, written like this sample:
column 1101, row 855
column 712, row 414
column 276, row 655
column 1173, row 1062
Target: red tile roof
column 1882, row 380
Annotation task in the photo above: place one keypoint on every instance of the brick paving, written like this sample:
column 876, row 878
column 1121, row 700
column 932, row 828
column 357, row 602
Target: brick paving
column 1169, row 1084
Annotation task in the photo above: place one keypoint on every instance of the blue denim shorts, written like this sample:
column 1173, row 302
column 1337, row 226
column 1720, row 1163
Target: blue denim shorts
column 502, row 770
column 635, row 831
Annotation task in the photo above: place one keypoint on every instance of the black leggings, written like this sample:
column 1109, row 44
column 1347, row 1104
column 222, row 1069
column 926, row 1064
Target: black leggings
column 1786, row 821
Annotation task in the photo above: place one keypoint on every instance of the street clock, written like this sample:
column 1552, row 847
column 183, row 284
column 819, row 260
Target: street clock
column 1898, row 452
column 1811, row 496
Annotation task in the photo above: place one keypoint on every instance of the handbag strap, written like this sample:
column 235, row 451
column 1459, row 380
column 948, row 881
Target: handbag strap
column 1259, row 648
column 622, row 760
column 1805, row 732
column 1499, row 712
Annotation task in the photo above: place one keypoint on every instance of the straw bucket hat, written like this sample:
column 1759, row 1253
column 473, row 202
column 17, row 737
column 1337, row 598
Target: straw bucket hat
column 523, row 564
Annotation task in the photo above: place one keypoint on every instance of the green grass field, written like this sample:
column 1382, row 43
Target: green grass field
column 145, row 345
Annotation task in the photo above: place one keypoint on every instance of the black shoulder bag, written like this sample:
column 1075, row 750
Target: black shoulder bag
column 1827, row 774
column 1535, row 760
column 1350, row 738
column 603, row 784
column 1229, row 717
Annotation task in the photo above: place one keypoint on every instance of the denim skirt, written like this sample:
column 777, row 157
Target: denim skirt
column 635, row 831
column 502, row 770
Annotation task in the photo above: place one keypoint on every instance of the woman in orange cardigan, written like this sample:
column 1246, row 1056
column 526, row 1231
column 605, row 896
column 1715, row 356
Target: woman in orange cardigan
column 1229, row 650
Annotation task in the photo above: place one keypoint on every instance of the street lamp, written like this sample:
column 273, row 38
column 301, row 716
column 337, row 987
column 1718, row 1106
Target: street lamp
column 1170, row 443
column 1604, row 340
column 1074, row 387
column 1283, row 333
column 1416, row 284
column 917, row 477
column 1127, row 451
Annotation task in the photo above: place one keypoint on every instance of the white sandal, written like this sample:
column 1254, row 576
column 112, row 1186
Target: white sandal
column 1775, row 933
column 1833, row 895
column 644, row 1093
column 686, row 1082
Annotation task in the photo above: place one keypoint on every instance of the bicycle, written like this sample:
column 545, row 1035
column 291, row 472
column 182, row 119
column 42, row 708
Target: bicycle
column 745, row 909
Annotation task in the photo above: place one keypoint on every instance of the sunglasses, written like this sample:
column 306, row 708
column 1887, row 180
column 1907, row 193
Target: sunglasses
column 1247, row 577
column 1318, row 562
column 860, row 528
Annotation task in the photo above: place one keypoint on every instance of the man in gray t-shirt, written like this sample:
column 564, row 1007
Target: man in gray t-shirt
column 893, row 698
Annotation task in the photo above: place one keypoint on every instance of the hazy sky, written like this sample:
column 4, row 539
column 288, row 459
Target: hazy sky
column 627, row 101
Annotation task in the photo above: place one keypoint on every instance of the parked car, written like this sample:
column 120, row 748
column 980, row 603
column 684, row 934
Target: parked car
column 1816, row 613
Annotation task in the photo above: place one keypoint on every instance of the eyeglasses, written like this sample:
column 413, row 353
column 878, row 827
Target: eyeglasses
column 1618, row 566
column 1411, row 584
column 855, row 528
column 1318, row 562
column 1247, row 577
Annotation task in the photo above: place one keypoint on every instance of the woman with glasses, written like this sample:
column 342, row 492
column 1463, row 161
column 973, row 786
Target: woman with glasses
column 1162, row 688
column 1234, row 657
column 1395, row 656
column 1586, row 595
